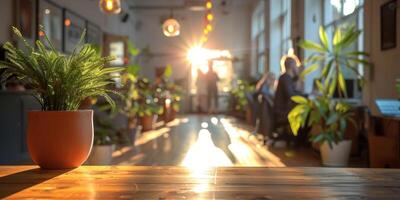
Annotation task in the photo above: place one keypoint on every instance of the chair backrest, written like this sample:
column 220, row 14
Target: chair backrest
column 254, row 107
column 267, row 119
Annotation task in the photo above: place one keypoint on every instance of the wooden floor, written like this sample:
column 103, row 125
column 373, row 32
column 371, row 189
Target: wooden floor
column 208, row 140
column 134, row 182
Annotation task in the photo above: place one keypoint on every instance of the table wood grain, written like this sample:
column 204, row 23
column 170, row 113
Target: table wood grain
column 135, row 182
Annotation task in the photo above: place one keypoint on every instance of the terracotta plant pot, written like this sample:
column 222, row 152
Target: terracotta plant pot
column 60, row 139
column 147, row 122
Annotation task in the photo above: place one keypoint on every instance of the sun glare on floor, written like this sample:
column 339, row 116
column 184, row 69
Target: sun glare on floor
column 204, row 154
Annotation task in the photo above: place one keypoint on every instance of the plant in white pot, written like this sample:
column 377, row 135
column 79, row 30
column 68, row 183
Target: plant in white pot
column 331, row 117
column 329, row 114
column 104, row 142
column 59, row 136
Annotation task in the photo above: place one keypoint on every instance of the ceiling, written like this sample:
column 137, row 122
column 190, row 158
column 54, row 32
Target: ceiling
column 154, row 4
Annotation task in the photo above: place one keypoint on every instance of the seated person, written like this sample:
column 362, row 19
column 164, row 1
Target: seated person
column 285, row 90
column 266, row 85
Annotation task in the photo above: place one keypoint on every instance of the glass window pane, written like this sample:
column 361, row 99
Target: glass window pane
column 261, row 64
column 336, row 9
column 349, row 6
column 261, row 43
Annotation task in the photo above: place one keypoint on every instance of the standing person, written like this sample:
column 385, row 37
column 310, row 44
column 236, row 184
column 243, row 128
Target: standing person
column 201, row 91
column 212, row 88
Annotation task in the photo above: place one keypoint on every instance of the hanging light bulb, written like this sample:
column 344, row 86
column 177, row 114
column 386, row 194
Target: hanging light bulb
column 171, row 27
column 209, row 5
column 209, row 27
column 210, row 17
column 110, row 6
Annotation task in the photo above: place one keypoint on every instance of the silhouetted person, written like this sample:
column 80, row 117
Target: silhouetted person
column 201, row 90
column 212, row 88
column 285, row 90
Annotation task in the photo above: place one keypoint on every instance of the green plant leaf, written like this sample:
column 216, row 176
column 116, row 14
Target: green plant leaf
column 342, row 84
column 309, row 45
column 132, row 49
column 168, row 71
column 332, row 118
column 337, row 37
column 133, row 69
column 299, row 99
column 318, row 138
column 323, row 38
column 309, row 70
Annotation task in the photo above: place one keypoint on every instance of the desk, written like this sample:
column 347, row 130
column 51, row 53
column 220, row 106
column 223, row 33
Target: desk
column 132, row 182
column 384, row 142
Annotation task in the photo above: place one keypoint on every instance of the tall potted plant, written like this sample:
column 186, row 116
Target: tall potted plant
column 329, row 114
column 59, row 136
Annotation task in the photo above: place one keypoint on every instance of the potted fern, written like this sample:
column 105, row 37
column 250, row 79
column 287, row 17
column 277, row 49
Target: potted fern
column 330, row 115
column 59, row 136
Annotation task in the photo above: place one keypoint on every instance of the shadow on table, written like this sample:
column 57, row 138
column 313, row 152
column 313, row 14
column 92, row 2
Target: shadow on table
column 14, row 183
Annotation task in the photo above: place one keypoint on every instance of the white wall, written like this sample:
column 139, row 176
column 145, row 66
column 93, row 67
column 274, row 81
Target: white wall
column 381, row 78
column 6, row 19
column 231, row 32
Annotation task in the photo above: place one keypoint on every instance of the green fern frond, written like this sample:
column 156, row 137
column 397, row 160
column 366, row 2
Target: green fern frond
column 61, row 82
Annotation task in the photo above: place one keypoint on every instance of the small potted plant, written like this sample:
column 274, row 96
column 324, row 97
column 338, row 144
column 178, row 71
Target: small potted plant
column 169, row 94
column 59, row 136
column 175, row 98
column 147, row 107
column 241, row 103
column 103, row 143
column 330, row 115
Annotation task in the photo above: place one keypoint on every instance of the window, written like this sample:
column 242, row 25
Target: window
column 344, row 14
column 258, row 39
column 286, row 26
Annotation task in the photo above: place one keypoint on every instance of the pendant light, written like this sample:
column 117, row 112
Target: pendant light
column 110, row 6
column 171, row 27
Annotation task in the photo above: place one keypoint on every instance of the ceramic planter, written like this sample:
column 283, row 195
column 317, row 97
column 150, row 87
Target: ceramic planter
column 147, row 122
column 101, row 155
column 338, row 155
column 60, row 139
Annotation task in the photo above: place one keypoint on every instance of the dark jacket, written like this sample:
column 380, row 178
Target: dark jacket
column 282, row 102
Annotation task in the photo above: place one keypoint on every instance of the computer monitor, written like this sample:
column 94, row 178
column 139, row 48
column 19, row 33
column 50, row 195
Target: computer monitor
column 388, row 107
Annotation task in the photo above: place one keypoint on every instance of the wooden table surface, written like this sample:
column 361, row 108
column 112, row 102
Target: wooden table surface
column 133, row 182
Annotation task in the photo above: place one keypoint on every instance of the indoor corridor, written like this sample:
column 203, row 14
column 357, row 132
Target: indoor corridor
column 201, row 141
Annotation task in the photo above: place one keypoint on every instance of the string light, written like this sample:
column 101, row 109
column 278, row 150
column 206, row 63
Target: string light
column 207, row 25
column 210, row 17
column 209, row 5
